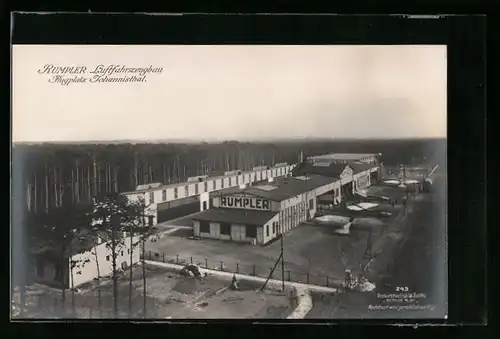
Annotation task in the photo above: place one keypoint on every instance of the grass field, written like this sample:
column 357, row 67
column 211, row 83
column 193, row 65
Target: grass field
column 168, row 296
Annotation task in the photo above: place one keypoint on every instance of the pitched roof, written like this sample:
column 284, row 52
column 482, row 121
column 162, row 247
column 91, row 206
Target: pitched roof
column 236, row 216
column 332, row 170
column 358, row 167
column 289, row 187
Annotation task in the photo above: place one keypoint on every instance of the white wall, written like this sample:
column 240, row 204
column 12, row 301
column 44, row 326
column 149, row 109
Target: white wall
column 204, row 197
column 358, row 179
column 246, row 178
column 346, row 176
column 196, row 228
column 83, row 273
column 272, row 234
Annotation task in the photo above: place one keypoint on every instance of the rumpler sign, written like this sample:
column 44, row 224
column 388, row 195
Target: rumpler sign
column 244, row 202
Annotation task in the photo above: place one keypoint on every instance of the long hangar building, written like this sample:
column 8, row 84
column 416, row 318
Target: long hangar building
column 167, row 202
column 257, row 214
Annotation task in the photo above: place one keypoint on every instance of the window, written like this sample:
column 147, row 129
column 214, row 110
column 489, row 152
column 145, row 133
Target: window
column 237, row 180
column 128, row 250
column 176, row 193
column 213, row 185
column 225, row 229
column 274, row 227
column 205, row 186
column 186, row 191
column 222, row 183
column 107, row 258
column 204, row 227
column 311, row 204
column 164, row 195
column 251, row 231
column 196, row 189
column 121, row 253
column 230, row 181
column 267, row 230
column 151, row 197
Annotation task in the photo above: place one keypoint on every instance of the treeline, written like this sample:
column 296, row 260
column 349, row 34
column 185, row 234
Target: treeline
column 47, row 172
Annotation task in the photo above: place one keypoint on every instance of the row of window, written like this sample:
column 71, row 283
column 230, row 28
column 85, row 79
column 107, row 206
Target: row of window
column 108, row 257
column 233, row 181
column 275, row 227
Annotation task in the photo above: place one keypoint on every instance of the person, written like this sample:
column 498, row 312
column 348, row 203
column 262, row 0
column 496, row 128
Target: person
column 234, row 283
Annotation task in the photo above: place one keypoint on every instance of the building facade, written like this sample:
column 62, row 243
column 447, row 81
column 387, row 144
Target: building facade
column 166, row 202
column 88, row 264
column 260, row 213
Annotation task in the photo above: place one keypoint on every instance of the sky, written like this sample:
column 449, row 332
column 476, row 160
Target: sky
column 229, row 92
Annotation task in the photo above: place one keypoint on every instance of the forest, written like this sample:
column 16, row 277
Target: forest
column 43, row 173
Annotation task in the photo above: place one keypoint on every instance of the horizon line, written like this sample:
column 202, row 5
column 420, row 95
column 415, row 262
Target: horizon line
column 180, row 140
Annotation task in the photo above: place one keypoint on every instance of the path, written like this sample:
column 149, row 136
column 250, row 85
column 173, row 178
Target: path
column 229, row 275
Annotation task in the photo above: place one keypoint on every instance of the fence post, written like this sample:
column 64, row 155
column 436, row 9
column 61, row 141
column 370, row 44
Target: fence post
column 163, row 260
column 206, row 263
column 327, row 281
column 253, row 270
column 307, row 277
column 177, row 259
column 221, row 266
column 289, row 276
column 237, row 268
column 191, row 260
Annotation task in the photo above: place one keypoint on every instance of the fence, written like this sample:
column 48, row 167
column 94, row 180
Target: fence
column 246, row 269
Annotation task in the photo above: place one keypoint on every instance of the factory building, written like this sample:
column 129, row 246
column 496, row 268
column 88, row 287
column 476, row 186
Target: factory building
column 167, row 202
column 259, row 213
column 344, row 158
column 352, row 172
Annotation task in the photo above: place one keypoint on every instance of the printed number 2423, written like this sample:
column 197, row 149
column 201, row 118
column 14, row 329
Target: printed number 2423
column 402, row 289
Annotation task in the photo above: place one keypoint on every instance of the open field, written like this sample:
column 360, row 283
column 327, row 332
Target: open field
column 417, row 263
column 313, row 253
column 168, row 295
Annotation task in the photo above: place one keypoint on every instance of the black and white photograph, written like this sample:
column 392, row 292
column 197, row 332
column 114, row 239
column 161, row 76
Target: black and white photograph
column 229, row 182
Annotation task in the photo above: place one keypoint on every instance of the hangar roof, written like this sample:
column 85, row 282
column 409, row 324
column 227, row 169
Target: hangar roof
column 235, row 216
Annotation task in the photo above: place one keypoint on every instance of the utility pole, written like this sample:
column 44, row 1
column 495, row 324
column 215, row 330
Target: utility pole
column 277, row 261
